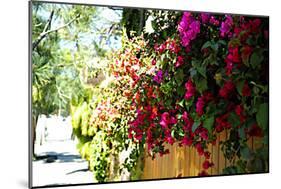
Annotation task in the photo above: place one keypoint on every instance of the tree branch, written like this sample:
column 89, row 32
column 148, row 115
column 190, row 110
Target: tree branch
column 45, row 32
column 41, row 36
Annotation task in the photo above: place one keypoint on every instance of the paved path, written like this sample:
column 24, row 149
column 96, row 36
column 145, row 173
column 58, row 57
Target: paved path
column 59, row 162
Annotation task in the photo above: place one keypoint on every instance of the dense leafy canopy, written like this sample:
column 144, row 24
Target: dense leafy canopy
column 176, row 78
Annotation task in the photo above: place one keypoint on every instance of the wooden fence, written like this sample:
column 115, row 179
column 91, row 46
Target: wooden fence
column 185, row 161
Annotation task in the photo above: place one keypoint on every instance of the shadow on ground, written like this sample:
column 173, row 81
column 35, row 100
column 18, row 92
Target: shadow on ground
column 64, row 157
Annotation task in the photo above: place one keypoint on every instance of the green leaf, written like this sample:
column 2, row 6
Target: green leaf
column 206, row 45
column 195, row 125
column 201, row 84
column 262, row 115
column 230, row 170
column 241, row 133
column 214, row 46
column 245, row 152
column 181, row 103
column 202, row 71
column 222, row 42
column 181, row 132
column 179, row 76
column 181, row 90
column 239, row 86
column 193, row 72
column 173, row 133
column 256, row 58
column 233, row 119
column 208, row 123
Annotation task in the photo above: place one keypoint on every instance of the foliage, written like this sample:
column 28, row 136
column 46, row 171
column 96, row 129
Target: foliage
column 102, row 124
column 189, row 78
column 134, row 21
column 208, row 77
column 55, row 69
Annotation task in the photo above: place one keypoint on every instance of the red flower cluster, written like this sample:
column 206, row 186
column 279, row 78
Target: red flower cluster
column 167, row 120
column 187, row 141
column 231, row 59
column 188, row 121
column 200, row 106
column 199, row 149
column 190, row 90
column 222, row 123
column 167, row 109
column 227, row 89
column 180, row 61
column 239, row 110
column 246, row 91
column 203, row 173
column 207, row 164
column 170, row 45
column 201, row 102
column 255, row 131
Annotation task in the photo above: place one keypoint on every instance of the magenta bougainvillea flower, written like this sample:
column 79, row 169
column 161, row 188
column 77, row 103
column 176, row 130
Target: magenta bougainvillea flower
column 202, row 83
column 158, row 77
column 227, row 89
column 239, row 110
column 214, row 21
column 205, row 17
column 200, row 106
column 180, row 61
column 207, row 164
column 226, row 26
column 188, row 28
column 190, row 90
column 246, row 91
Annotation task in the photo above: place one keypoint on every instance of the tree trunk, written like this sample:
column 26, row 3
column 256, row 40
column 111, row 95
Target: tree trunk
column 33, row 133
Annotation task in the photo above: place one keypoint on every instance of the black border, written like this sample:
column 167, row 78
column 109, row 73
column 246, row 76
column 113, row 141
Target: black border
column 30, row 168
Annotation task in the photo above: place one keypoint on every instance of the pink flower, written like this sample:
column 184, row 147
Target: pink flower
column 199, row 149
column 165, row 119
column 214, row 21
column 180, row 61
column 173, row 120
column 158, row 78
column 203, row 173
column 188, row 29
column 188, row 121
column 255, row 131
column 204, row 134
column 207, row 155
column 232, row 58
column 207, row 164
column 246, row 91
column 186, row 141
column 200, row 106
column 227, row 89
column 190, row 90
column 226, row 26
column 168, row 137
column 205, row 17
column 153, row 62
column 246, row 52
column 222, row 123
column 239, row 110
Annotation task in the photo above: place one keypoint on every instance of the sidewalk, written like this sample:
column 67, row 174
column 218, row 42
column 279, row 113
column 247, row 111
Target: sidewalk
column 61, row 167
column 58, row 159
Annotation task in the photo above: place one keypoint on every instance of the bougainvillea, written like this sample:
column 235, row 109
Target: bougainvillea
column 208, row 77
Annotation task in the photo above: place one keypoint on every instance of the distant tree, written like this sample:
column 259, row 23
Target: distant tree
column 61, row 49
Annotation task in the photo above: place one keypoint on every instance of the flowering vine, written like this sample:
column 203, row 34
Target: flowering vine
column 209, row 77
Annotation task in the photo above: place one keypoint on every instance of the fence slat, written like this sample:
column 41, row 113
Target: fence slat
column 185, row 161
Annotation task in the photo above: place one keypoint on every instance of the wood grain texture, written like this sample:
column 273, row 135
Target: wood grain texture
column 185, row 161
